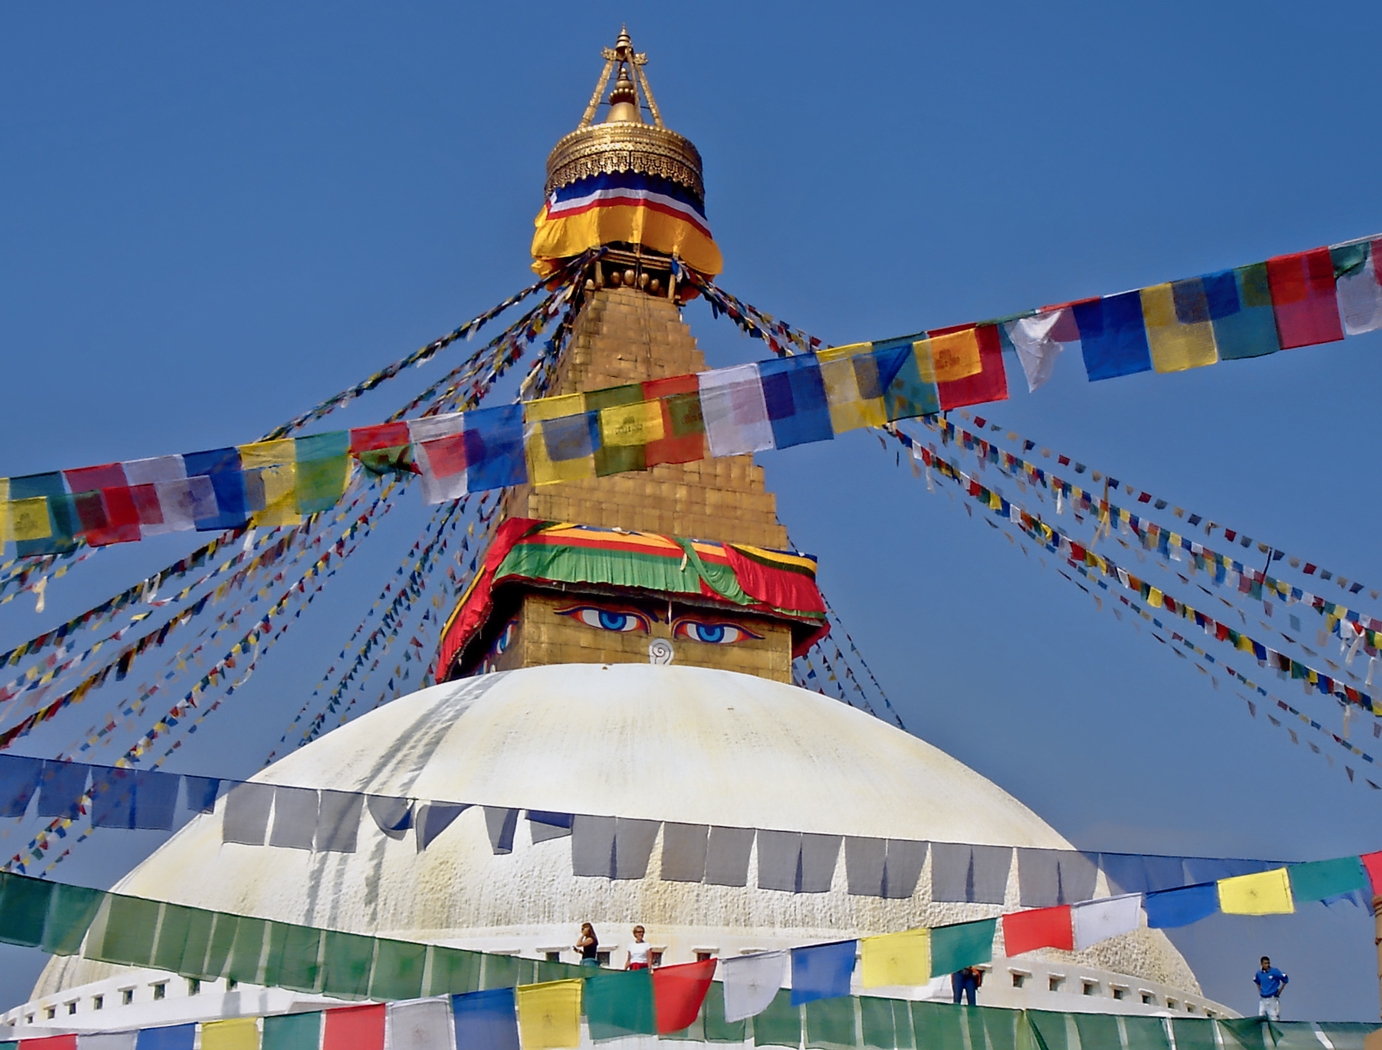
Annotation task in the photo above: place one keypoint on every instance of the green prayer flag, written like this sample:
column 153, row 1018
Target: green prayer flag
column 780, row 1023
column 554, row 971
column 1194, row 1034
column 247, row 951
column 129, row 932
column 172, row 937
column 1242, row 1033
column 501, row 971
column 938, row 1026
column 218, row 947
column 1347, row 1035
column 322, row 470
column 398, row 970
column 292, row 1032
column 1145, row 1033
column 1321, row 879
column 618, row 1003
column 830, row 1024
column 71, row 910
column 713, row 1023
column 878, row 1025
column 1097, row 1030
column 1007, row 1029
column 23, row 909
column 9, row 1044
column 613, row 458
column 348, row 961
column 964, row 944
column 455, row 971
column 293, row 961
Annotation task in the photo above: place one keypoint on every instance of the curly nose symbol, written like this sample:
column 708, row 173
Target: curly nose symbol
column 660, row 651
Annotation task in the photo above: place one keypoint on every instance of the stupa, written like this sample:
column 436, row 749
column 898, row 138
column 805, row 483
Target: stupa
column 626, row 653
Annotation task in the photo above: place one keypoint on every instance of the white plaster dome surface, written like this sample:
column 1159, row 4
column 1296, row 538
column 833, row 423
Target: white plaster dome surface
column 684, row 744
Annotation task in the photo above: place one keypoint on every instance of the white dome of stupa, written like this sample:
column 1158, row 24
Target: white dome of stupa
column 684, row 744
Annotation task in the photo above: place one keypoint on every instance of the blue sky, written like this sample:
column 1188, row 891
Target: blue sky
column 214, row 216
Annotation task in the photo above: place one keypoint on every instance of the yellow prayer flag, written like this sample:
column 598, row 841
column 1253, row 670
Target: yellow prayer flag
column 271, row 481
column 1175, row 344
column 556, row 436
column 852, row 404
column 945, row 358
column 896, row 959
column 29, row 519
column 549, row 1015
column 1265, row 893
column 267, row 454
column 1155, row 598
column 6, row 533
column 239, row 1033
column 635, row 424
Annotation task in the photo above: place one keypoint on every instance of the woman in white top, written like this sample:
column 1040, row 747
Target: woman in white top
column 640, row 951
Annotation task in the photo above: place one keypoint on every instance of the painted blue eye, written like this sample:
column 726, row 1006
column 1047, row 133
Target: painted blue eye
column 711, row 633
column 608, row 619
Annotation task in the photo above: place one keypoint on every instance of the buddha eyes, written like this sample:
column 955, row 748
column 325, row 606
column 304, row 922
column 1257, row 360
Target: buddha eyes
column 711, row 633
column 608, row 619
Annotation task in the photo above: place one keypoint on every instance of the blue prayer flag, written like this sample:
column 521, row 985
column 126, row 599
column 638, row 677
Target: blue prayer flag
column 222, row 467
column 1181, row 907
column 1113, row 336
column 201, row 793
column 485, row 1020
column 822, row 971
column 1240, row 307
column 173, row 1037
column 133, row 798
column 18, row 781
column 61, row 788
column 795, row 395
column 494, row 454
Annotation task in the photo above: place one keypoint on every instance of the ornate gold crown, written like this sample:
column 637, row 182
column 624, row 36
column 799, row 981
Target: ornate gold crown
column 624, row 142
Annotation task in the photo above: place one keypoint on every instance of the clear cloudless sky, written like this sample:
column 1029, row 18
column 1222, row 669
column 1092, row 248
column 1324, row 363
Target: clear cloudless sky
column 213, row 215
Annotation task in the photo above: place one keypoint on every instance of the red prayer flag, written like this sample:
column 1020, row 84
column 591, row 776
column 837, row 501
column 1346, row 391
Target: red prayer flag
column 50, row 1042
column 683, row 435
column 1024, row 931
column 1373, row 862
column 354, row 1028
column 104, row 504
column 1303, row 298
column 990, row 383
column 678, row 992
column 382, row 435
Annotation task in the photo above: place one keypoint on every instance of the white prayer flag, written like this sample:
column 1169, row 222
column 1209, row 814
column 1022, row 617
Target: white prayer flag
column 751, row 982
column 1099, row 920
column 1036, row 347
column 440, row 444
column 1360, row 297
column 421, row 1024
column 735, row 411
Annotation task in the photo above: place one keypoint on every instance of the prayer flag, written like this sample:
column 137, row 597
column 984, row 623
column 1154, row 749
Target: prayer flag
column 1113, row 336
column 1372, row 863
column 321, row 470
column 292, row 1032
column 549, row 1015
column 42, row 515
column 865, row 863
column 1035, row 339
column 1303, row 298
column 734, row 410
column 109, row 485
column 386, row 448
column 779, row 1024
column 683, row 428
column 1322, row 879
column 61, row 788
column 1240, row 308
column 398, row 967
column 338, row 823
column 684, row 852
column 633, row 846
column 494, row 449
column 561, row 438
column 822, row 971
column 620, row 1003
column 355, row 1028
column 440, row 453
column 270, row 469
column 292, row 960
column 144, row 477
column 485, row 1020
column 93, row 1041
column 1172, row 908
column 245, row 817
column 71, row 910
column 853, row 387
column 1264, row 893
column 24, row 906
column 1179, row 330
column 1096, row 921
column 896, row 959
column 794, row 393
column 221, row 466
column 1025, row 931
column 419, row 1025
column 830, row 1025
column 237, row 1033
column 50, row 1042
column 19, row 777
column 347, row 960
column 950, row 354
column 678, row 992
column 961, row 944
column 751, row 982
column 170, row 1037
column 434, row 818
column 1357, row 287
column 625, row 422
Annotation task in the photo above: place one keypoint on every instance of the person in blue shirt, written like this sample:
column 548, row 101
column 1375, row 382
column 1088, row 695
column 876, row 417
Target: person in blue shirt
column 1270, row 981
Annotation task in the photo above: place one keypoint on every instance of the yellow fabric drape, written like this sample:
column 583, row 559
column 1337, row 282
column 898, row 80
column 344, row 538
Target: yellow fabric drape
column 549, row 1015
column 896, row 959
column 1265, row 893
